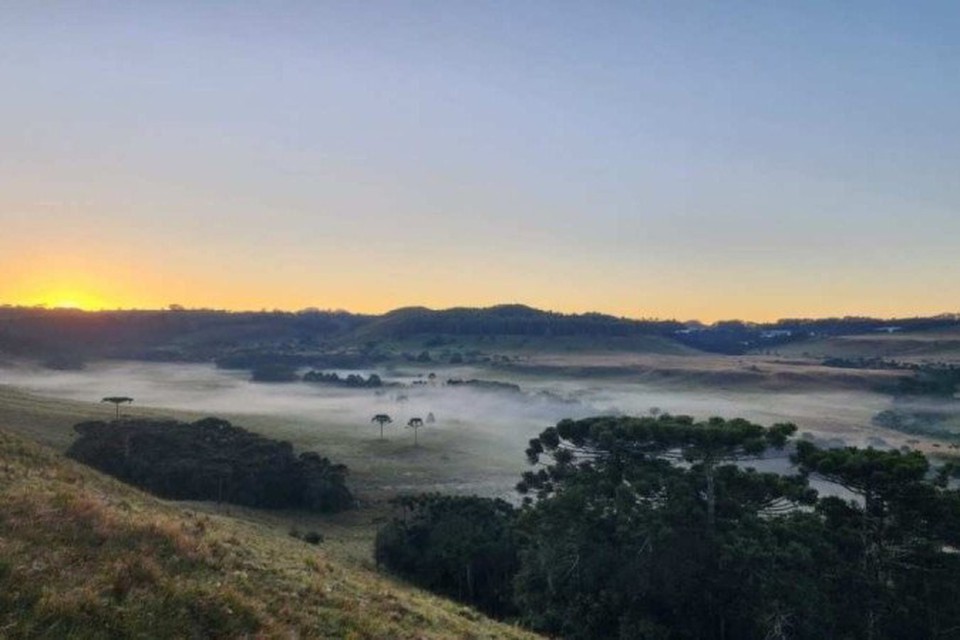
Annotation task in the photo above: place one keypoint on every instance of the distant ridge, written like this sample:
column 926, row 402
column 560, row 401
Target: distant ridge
column 61, row 336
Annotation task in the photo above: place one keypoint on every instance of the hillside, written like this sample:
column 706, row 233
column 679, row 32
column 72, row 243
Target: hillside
column 84, row 556
column 67, row 339
column 941, row 345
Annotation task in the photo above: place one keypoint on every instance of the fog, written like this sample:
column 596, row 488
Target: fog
column 478, row 439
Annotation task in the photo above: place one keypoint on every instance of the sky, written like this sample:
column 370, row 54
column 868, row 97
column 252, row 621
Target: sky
column 688, row 160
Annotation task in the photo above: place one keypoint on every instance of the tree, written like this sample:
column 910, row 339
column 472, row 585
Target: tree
column 705, row 446
column 415, row 424
column 899, row 537
column 381, row 419
column 117, row 401
column 654, row 528
column 658, row 516
column 210, row 459
column 461, row 546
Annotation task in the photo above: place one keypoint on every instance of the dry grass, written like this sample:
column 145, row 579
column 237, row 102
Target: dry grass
column 746, row 372
column 84, row 556
column 909, row 346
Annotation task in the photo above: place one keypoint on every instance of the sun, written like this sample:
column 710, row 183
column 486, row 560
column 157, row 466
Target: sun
column 66, row 304
column 72, row 300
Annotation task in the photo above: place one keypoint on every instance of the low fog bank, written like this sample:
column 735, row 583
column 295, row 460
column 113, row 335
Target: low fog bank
column 480, row 435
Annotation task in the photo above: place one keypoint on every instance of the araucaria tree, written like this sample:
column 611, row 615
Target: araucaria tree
column 381, row 419
column 901, row 577
column 117, row 401
column 657, row 528
column 657, row 515
column 415, row 424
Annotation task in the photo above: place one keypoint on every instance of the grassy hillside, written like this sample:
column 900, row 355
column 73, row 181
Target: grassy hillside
column 941, row 345
column 83, row 556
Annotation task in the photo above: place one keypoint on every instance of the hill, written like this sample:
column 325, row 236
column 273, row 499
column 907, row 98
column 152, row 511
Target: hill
column 279, row 340
column 84, row 556
column 938, row 345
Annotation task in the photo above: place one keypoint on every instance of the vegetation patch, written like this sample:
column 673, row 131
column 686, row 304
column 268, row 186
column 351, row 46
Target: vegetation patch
column 352, row 381
column 655, row 527
column 211, row 460
column 484, row 385
column 942, row 424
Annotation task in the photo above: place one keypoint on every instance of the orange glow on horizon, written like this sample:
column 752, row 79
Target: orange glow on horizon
column 68, row 299
column 86, row 301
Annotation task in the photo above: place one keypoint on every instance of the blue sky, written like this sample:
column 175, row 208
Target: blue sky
column 673, row 159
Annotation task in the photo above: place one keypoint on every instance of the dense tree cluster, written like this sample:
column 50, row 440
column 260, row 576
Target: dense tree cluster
column 937, row 381
column 939, row 421
column 656, row 527
column 513, row 320
column 352, row 380
column 211, row 460
column 484, row 385
column 461, row 546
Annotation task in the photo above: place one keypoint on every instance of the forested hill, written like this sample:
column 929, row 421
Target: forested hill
column 510, row 320
column 64, row 338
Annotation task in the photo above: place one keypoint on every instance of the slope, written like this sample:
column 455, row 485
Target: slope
column 84, row 556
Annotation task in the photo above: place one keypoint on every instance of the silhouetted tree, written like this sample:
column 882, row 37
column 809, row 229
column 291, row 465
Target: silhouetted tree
column 381, row 419
column 415, row 424
column 117, row 401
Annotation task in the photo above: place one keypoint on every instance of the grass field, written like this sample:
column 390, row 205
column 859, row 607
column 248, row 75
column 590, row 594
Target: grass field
column 83, row 556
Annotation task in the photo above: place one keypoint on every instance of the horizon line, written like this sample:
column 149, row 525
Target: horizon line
column 177, row 308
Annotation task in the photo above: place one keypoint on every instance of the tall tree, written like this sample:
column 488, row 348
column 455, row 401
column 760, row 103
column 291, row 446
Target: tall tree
column 900, row 535
column 415, row 424
column 655, row 514
column 117, row 401
column 381, row 419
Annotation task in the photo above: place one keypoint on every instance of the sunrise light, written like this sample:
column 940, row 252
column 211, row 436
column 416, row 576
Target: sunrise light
column 70, row 300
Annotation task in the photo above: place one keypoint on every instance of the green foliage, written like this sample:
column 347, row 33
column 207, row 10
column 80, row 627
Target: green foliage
column 937, row 380
column 462, row 547
column 353, row 380
column 211, row 460
column 898, row 542
column 941, row 422
column 654, row 516
column 485, row 385
column 651, row 515
column 654, row 528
